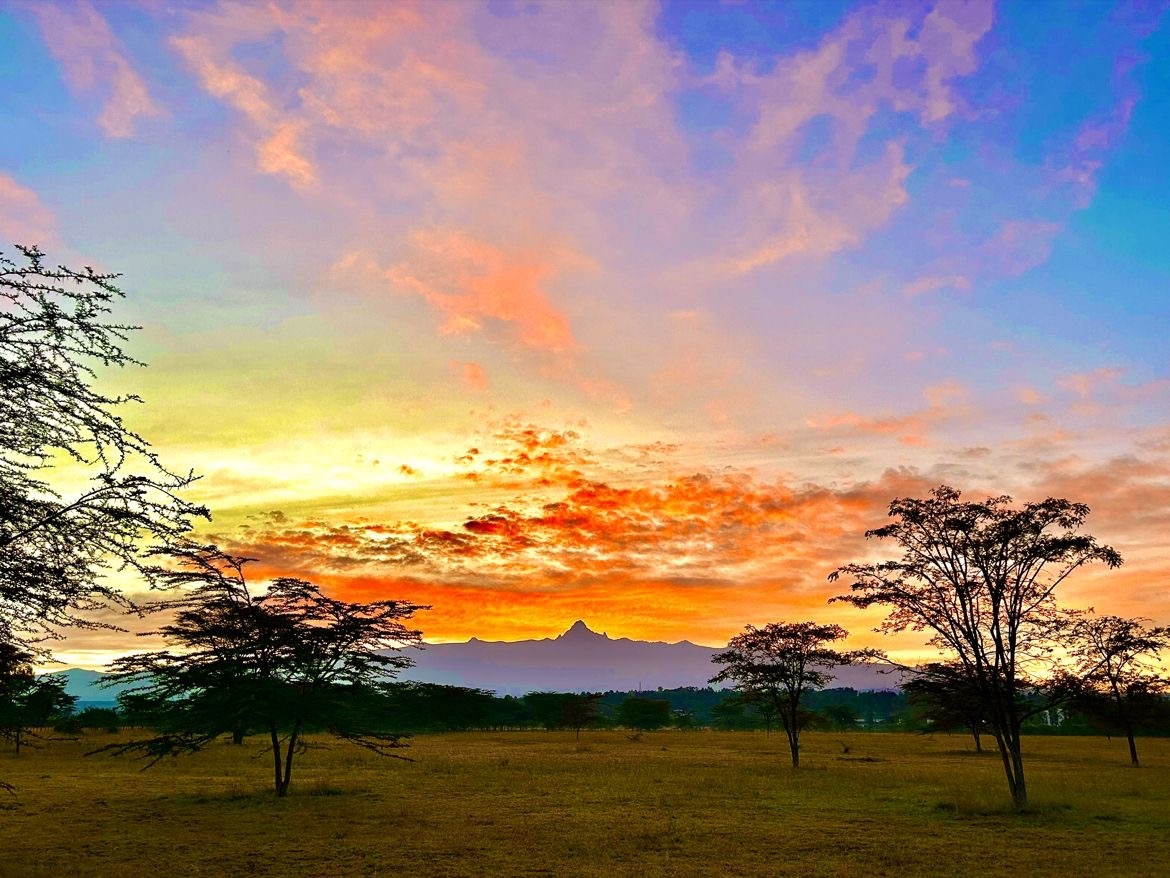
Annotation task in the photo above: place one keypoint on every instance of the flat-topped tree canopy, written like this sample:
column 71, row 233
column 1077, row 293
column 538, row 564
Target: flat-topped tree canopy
column 981, row 577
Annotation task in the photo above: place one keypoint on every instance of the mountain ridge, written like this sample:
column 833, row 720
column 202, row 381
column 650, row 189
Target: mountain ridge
column 581, row 659
column 577, row 660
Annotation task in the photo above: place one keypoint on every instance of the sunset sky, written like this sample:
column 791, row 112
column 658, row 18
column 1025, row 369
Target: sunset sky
column 630, row 312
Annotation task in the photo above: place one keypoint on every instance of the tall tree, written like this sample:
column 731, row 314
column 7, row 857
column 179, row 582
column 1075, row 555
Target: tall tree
column 775, row 666
column 283, row 661
column 55, row 543
column 981, row 577
column 1118, row 664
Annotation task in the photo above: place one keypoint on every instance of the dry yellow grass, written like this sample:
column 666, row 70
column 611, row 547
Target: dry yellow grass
column 536, row 803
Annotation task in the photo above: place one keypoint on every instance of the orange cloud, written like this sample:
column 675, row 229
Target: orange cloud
column 912, row 429
column 909, row 429
column 698, row 557
column 473, row 283
column 691, row 546
column 642, row 545
column 475, row 377
column 93, row 60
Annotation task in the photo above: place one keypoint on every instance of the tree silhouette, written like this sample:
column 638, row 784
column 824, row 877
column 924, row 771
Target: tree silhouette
column 981, row 578
column 1117, row 665
column 643, row 714
column 55, row 544
column 283, row 661
column 579, row 710
column 945, row 695
column 774, row 666
column 28, row 702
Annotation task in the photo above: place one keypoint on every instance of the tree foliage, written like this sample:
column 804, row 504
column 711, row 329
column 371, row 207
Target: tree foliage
column 775, row 666
column 1121, row 680
column 56, row 541
column 282, row 661
column 432, row 707
column 945, row 696
column 563, row 710
column 643, row 714
column 981, row 578
column 28, row 701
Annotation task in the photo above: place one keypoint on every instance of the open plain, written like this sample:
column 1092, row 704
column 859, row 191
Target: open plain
column 542, row 803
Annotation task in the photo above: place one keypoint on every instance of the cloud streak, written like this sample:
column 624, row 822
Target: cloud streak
column 94, row 62
column 24, row 219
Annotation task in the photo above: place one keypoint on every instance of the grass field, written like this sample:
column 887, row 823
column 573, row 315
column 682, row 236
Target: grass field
column 540, row 803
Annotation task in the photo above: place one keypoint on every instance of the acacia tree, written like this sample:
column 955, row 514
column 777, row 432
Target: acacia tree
column 282, row 661
column 28, row 701
column 1117, row 663
column 55, row 334
column 775, row 666
column 943, row 691
column 643, row 714
column 563, row 710
column 981, row 577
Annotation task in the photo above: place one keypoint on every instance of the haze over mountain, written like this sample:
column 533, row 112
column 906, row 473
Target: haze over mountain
column 581, row 659
column 578, row 660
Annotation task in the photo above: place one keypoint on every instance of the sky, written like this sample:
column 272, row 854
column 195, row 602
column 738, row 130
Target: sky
column 638, row 313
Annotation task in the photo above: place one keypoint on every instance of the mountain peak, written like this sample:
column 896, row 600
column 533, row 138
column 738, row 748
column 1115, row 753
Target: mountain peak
column 580, row 631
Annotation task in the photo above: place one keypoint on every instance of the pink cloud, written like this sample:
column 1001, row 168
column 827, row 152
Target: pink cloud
column 908, row 429
column 93, row 60
column 934, row 283
column 820, row 206
column 945, row 401
column 1030, row 396
column 1020, row 245
column 1085, row 384
column 474, row 284
column 24, row 219
column 947, row 43
column 1078, row 167
column 278, row 136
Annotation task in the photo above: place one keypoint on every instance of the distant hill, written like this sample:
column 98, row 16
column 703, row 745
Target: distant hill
column 583, row 660
column 579, row 660
column 85, row 685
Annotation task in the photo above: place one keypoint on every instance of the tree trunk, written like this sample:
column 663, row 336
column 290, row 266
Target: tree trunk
column 978, row 736
column 288, row 760
column 790, row 721
column 1133, row 757
column 277, row 765
column 1013, row 766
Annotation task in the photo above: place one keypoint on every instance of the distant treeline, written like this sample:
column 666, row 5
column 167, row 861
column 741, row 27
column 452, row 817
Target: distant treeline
column 414, row 708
